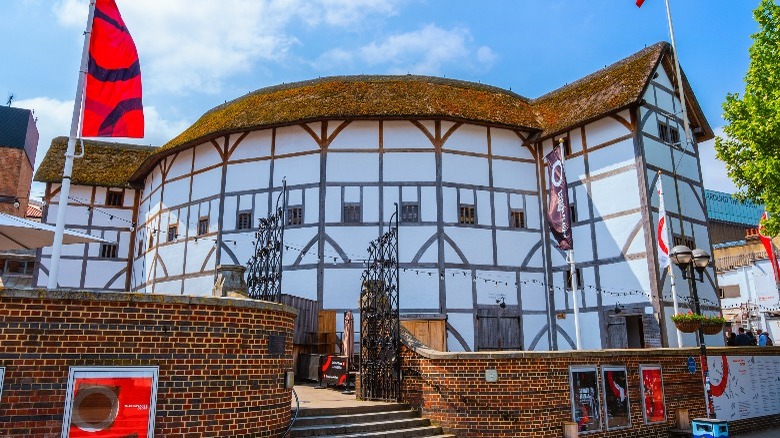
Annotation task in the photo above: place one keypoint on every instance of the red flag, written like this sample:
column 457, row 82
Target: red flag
column 112, row 102
column 770, row 251
column 639, row 3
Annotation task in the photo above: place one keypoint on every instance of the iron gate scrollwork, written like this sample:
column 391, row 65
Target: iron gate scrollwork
column 264, row 268
column 380, row 364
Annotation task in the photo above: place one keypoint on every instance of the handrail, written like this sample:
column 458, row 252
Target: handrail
column 295, row 416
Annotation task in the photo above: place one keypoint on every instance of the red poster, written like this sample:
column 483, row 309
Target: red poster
column 653, row 394
column 113, row 406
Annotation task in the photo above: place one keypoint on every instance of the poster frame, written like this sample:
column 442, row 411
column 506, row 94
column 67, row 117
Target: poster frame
column 624, row 370
column 579, row 369
column 2, row 377
column 642, row 368
column 85, row 372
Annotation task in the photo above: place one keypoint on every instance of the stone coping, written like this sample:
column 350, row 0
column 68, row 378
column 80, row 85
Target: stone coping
column 427, row 352
column 80, row 295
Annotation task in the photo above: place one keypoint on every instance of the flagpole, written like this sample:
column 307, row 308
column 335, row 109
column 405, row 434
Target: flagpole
column 69, row 155
column 684, row 109
column 572, row 270
column 669, row 266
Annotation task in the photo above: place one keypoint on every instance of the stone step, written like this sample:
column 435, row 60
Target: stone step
column 427, row 432
column 319, row 412
column 368, row 417
column 359, row 429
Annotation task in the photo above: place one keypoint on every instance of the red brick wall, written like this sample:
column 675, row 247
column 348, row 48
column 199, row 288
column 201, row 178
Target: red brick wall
column 531, row 397
column 15, row 179
column 216, row 377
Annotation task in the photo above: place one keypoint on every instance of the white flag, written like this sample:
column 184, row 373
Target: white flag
column 662, row 231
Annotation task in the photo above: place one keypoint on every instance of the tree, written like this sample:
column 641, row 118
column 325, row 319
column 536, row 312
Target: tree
column 751, row 146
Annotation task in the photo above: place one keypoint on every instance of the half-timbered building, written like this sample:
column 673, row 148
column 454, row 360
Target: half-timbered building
column 462, row 161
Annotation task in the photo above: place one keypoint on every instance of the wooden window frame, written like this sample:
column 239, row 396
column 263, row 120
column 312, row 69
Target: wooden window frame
column 173, row 233
column 294, row 215
column 203, row 225
column 109, row 250
column 467, row 214
column 348, row 217
column 410, row 215
column 517, row 218
column 242, row 224
column 115, row 198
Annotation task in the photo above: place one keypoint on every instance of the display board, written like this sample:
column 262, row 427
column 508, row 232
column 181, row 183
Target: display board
column 585, row 405
column 653, row 403
column 110, row 402
column 614, row 380
column 744, row 386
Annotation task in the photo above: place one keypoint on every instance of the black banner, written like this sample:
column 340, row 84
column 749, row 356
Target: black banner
column 558, row 208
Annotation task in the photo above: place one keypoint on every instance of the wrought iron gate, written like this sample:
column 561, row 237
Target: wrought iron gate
column 264, row 269
column 380, row 365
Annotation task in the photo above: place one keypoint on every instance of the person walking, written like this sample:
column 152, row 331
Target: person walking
column 743, row 340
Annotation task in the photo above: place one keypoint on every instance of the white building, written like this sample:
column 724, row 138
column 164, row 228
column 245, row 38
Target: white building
column 464, row 163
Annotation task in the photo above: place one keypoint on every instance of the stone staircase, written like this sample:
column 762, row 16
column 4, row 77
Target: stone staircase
column 378, row 421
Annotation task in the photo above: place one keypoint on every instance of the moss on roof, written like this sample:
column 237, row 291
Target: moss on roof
column 349, row 97
column 104, row 164
column 616, row 86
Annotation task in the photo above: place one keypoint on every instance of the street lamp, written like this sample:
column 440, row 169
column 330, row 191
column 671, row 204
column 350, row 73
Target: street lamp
column 689, row 260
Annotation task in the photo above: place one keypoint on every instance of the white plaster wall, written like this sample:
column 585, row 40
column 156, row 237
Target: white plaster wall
column 403, row 134
column 255, row 145
column 358, row 135
column 468, row 138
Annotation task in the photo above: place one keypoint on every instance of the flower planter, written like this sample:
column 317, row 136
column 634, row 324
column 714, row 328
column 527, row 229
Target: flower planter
column 687, row 326
column 711, row 328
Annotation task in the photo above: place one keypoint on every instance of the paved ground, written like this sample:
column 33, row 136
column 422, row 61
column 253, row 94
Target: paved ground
column 310, row 397
column 773, row 433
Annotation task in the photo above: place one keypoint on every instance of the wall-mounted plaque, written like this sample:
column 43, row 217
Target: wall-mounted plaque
column 614, row 380
column 653, row 405
column 276, row 344
column 585, row 404
column 110, row 402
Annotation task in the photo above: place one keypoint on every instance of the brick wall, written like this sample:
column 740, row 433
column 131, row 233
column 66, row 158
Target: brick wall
column 532, row 395
column 15, row 179
column 216, row 377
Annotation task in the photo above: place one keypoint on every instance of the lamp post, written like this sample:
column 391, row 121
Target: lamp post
column 689, row 261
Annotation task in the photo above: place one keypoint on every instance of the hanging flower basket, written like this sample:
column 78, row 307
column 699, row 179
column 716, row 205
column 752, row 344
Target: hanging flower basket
column 687, row 326
column 712, row 325
column 687, row 323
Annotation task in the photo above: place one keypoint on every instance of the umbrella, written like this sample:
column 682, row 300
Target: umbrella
column 18, row 233
column 348, row 341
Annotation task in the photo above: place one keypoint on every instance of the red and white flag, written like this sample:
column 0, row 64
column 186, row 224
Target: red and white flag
column 639, row 3
column 770, row 250
column 662, row 231
column 112, row 96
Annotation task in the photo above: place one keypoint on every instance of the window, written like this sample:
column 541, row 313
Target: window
column 567, row 278
column 517, row 219
column 114, row 198
column 140, row 247
column 203, row 226
column 352, row 213
column 680, row 240
column 668, row 134
column 729, row 291
column 410, row 213
column 294, row 215
column 108, row 250
column 573, row 213
column 466, row 214
column 566, row 146
column 151, row 241
column 173, row 232
column 244, row 221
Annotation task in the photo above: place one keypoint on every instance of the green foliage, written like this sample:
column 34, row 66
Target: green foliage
column 719, row 320
column 687, row 317
column 751, row 146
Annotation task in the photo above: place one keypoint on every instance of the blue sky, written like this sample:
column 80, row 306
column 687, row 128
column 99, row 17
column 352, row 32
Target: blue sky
column 196, row 54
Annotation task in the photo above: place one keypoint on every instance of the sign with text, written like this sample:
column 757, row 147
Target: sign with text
column 653, row 404
column 744, row 387
column 334, row 370
column 615, row 381
column 585, row 404
column 104, row 402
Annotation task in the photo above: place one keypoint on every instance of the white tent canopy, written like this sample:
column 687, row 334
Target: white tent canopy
column 18, row 233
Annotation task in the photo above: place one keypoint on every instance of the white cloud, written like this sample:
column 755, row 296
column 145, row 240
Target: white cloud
column 428, row 50
column 192, row 45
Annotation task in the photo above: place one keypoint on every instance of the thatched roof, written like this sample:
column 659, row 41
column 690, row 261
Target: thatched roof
column 104, row 164
column 614, row 88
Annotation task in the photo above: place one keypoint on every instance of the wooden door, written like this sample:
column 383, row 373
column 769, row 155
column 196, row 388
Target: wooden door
column 499, row 329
